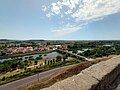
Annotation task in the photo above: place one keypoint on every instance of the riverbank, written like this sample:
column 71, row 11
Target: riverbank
column 23, row 54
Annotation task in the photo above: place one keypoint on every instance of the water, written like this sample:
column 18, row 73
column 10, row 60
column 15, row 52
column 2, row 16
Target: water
column 78, row 51
column 44, row 56
column 81, row 51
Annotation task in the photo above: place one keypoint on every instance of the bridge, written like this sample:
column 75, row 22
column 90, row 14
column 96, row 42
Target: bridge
column 73, row 55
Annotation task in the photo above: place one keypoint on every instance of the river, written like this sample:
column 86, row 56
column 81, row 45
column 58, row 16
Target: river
column 44, row 56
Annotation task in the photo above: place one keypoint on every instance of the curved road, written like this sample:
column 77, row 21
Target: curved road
column 18, row 83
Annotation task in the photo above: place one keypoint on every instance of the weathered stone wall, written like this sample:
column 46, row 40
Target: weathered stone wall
column 97, row 77
column 106, row 83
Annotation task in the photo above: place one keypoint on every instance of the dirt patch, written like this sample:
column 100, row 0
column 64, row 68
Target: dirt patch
column 58, row 76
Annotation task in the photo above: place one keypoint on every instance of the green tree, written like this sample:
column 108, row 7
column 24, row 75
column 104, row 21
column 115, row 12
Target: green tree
column 87, row 53
column 53, row 61
column 50, row 61
column 75, row 51
column 3, row 53
column 58, row 58
column 45, row 62
column 21, row 64
column 36, row 62
column 38, row 58
column 65, row 57
column 3, row 79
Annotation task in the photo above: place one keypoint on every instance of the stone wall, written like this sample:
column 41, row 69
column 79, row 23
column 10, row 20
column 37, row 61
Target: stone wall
column 100, row 76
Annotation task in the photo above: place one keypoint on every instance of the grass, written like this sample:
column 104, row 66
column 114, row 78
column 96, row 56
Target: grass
column 12, row 73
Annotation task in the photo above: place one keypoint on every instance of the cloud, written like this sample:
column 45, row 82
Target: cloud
column 70, row 3
column 80, row 12
column 85, row 9
column 55, row 8
column 94, row 9
column 67, row 29
column 44, row 8
column 68, row 12
column 49, row 15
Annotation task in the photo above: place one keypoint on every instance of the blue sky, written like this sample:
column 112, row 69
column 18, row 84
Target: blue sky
column 60, row 19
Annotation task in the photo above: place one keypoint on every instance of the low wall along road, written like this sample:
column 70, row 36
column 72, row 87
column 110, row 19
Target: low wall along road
column 101, row 76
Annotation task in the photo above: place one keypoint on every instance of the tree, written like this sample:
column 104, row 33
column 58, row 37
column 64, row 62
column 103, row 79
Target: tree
column 4, row 68
column 36, row 62
column 26, row 58
column 3, row 53
column 14, row 65
column 26, row 63
column 65, row 57
column 31, row 58
column 21, row 64
column 75, row 51
column 87, row 53
column 48, row 62
column 38, row 58
column 58, row 58
column 45, row 62
column 53, row 61
column 3, row 79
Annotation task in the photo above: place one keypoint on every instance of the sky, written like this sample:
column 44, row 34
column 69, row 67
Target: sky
column 60, row 19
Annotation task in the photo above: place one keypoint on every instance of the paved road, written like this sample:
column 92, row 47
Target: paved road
column 18, row 83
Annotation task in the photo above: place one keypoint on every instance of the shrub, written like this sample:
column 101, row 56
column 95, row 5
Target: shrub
column 3, row 79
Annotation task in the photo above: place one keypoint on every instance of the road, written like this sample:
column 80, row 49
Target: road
column 18, row 83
